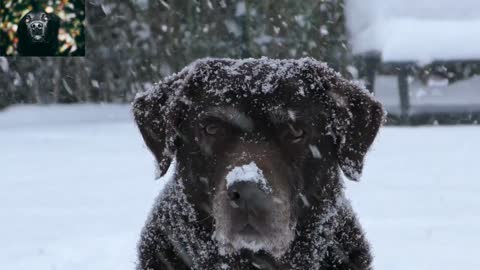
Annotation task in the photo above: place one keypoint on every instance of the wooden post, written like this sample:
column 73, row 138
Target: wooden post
column 371, row 64
column 404, row 95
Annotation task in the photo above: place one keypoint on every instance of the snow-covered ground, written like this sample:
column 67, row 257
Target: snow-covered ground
column 76, row 184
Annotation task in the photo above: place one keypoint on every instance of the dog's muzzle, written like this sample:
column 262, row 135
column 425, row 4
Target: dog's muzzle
column 37, row 31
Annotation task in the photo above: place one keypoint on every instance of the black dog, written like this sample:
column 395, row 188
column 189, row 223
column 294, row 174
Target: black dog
column 38, row 34
column 258, row 145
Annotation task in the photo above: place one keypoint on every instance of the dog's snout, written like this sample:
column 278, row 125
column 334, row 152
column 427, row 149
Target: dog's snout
column 248, row 196
column 234, row 195
column 36, row 25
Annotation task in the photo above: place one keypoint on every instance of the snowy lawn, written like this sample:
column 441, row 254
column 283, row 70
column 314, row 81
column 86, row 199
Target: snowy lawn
column 76, row 186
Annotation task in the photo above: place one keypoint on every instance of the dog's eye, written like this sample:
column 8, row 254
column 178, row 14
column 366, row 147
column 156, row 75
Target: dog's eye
column 44, row 17
column 297, row 134
column 27, row 19
column 212, row 129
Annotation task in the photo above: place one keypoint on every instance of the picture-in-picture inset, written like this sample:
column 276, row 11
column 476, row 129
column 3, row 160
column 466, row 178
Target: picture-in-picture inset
column 42, row 28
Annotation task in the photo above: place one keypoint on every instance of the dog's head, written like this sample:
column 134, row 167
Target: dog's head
column 38, row 28
column 258, row 142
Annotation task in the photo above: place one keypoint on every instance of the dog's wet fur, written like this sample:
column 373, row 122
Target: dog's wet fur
column 298, row 123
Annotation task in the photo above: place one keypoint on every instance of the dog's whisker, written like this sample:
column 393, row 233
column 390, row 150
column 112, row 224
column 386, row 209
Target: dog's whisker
column 206, row 218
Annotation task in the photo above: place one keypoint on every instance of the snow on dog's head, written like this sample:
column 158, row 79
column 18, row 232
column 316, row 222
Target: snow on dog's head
column 260, row 142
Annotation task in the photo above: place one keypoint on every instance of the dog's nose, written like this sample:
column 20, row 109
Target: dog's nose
column 38, row 25
column 248, row 196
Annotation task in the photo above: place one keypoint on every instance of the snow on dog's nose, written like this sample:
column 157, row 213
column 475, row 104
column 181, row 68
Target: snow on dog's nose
column 247, row 188
column 248, row 173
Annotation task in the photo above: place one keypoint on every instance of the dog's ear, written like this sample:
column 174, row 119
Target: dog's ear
column 156, row 121
column 22, row 35
column 357, row 118
column 54, row 22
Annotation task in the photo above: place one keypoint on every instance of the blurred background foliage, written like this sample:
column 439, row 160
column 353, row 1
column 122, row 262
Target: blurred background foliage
column 71, row 13
column 132, row 44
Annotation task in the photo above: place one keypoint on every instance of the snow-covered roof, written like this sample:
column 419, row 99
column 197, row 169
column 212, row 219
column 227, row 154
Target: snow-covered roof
column 412, row 30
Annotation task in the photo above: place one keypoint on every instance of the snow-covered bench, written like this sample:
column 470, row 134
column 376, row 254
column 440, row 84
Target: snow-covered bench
column 397, row 38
